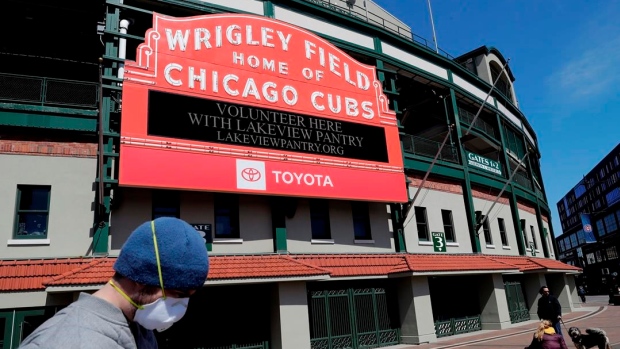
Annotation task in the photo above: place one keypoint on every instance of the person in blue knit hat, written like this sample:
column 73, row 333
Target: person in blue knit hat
column 161, row 264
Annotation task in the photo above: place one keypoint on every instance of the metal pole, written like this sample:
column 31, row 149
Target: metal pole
column 487, row 97
column 100, row 209
column 430, row 11
column 415, row 196
column 503, row 189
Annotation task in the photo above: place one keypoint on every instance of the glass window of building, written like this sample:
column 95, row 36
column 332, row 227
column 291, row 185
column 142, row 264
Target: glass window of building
column 487, row 231
column 226, row 207
column 610, row 223
column 600, row 227
column 421, row 223
column 165, row 203
column 502, row 231
column 361, row 220
column 448, row 225
column 319, row 220
column 32, row 213
column 534, row 241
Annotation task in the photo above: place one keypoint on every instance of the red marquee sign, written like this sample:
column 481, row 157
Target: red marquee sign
column 243, row 103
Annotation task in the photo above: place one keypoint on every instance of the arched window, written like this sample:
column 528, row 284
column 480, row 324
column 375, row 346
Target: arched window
column 504, row 83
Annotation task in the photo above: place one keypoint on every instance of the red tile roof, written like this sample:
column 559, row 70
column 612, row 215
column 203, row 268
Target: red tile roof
column 29, row 275
column 441, row 263
column 353, row 265
column 221, row 268
column 34, row 275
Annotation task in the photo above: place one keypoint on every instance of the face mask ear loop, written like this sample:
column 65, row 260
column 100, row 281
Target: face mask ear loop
column 161, row 279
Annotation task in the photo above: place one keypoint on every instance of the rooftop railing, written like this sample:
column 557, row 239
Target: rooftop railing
column 428, row 148
column 47, row 91
column 362, row 13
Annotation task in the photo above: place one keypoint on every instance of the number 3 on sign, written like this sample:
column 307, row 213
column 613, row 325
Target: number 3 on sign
column 439, row 241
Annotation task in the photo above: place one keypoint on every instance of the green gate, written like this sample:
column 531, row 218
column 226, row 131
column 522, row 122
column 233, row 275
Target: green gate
column 517, row 306
column 457, row 326
column 351, row 318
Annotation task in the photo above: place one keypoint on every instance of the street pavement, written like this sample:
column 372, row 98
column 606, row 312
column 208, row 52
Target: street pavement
column 596, row 312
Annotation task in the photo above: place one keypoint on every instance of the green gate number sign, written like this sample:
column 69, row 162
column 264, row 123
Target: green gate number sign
column 439, row 241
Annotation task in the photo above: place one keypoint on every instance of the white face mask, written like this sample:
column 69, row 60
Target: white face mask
column 162, row 313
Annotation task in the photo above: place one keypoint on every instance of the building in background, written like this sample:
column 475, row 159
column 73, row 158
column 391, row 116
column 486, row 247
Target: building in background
column 293, row 135
column 590, row 216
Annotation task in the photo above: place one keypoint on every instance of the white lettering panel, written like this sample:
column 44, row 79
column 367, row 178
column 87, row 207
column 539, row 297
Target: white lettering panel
column 510, row 116
column 414, row 61
column 252, row 6
column 471, row 89
column 323, row 27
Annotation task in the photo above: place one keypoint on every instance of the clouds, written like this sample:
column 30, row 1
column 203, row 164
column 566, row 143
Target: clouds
column 589, row 66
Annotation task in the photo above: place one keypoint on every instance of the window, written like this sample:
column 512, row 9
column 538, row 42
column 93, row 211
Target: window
column 422, row 223
column 227, row 216
column 166, row 203
column 610, row 223
column 534, row 241
column 448, row 225
column 502, row 231
column 612, row 253
column 361, row 220
column 600, row 227
column 33, row 205
column 319, row 219
column 487, row 231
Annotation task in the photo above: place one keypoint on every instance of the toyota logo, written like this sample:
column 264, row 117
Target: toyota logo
column 250, row 174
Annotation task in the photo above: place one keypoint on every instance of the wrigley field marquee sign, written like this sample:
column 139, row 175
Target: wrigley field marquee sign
column 244, row 103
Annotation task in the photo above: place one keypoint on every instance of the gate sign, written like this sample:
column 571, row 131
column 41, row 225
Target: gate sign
column 483, row 163
column 249, row 104
column 439, row 241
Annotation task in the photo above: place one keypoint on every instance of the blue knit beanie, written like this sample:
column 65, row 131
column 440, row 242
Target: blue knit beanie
column 182, row 254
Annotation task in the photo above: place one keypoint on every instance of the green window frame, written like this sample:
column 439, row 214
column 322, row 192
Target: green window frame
column 502, row 231
column 486, row 228
column 421, row 221
column 448, row 225
column 32, row 208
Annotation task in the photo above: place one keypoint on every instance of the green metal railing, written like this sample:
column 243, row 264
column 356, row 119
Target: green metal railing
column 481, row 125
column 458, row 326
column 260, row 345
column 523, row 180
column 427, row 147
column 351, row 318
column 48, row 91
column 361, row 13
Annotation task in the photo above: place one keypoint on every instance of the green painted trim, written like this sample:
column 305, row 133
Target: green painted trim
column 47, row 121
column 524, row 193
column 440, row 168
column 541, row 230
column 516, row 220
column 397, row 227
column 47, row 109
column 378, row 45
column 487, row 180
column 450, row 76
column 268, row 9
column 281, row 240
column 474, row 237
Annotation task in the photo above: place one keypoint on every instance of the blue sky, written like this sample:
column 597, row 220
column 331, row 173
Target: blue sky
column 565, row 56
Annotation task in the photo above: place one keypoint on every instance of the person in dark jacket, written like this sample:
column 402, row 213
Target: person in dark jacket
column 546, row 338
column 549, row 308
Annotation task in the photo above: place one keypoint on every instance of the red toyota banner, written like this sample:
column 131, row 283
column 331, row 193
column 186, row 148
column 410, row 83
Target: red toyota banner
column 243, row 103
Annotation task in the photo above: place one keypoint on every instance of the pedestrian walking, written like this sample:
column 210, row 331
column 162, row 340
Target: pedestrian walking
column 549, row 308
column 161, row 264
column 582, row 293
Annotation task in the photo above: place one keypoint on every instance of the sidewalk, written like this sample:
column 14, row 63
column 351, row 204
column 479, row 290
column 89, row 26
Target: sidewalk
column 594, row 314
